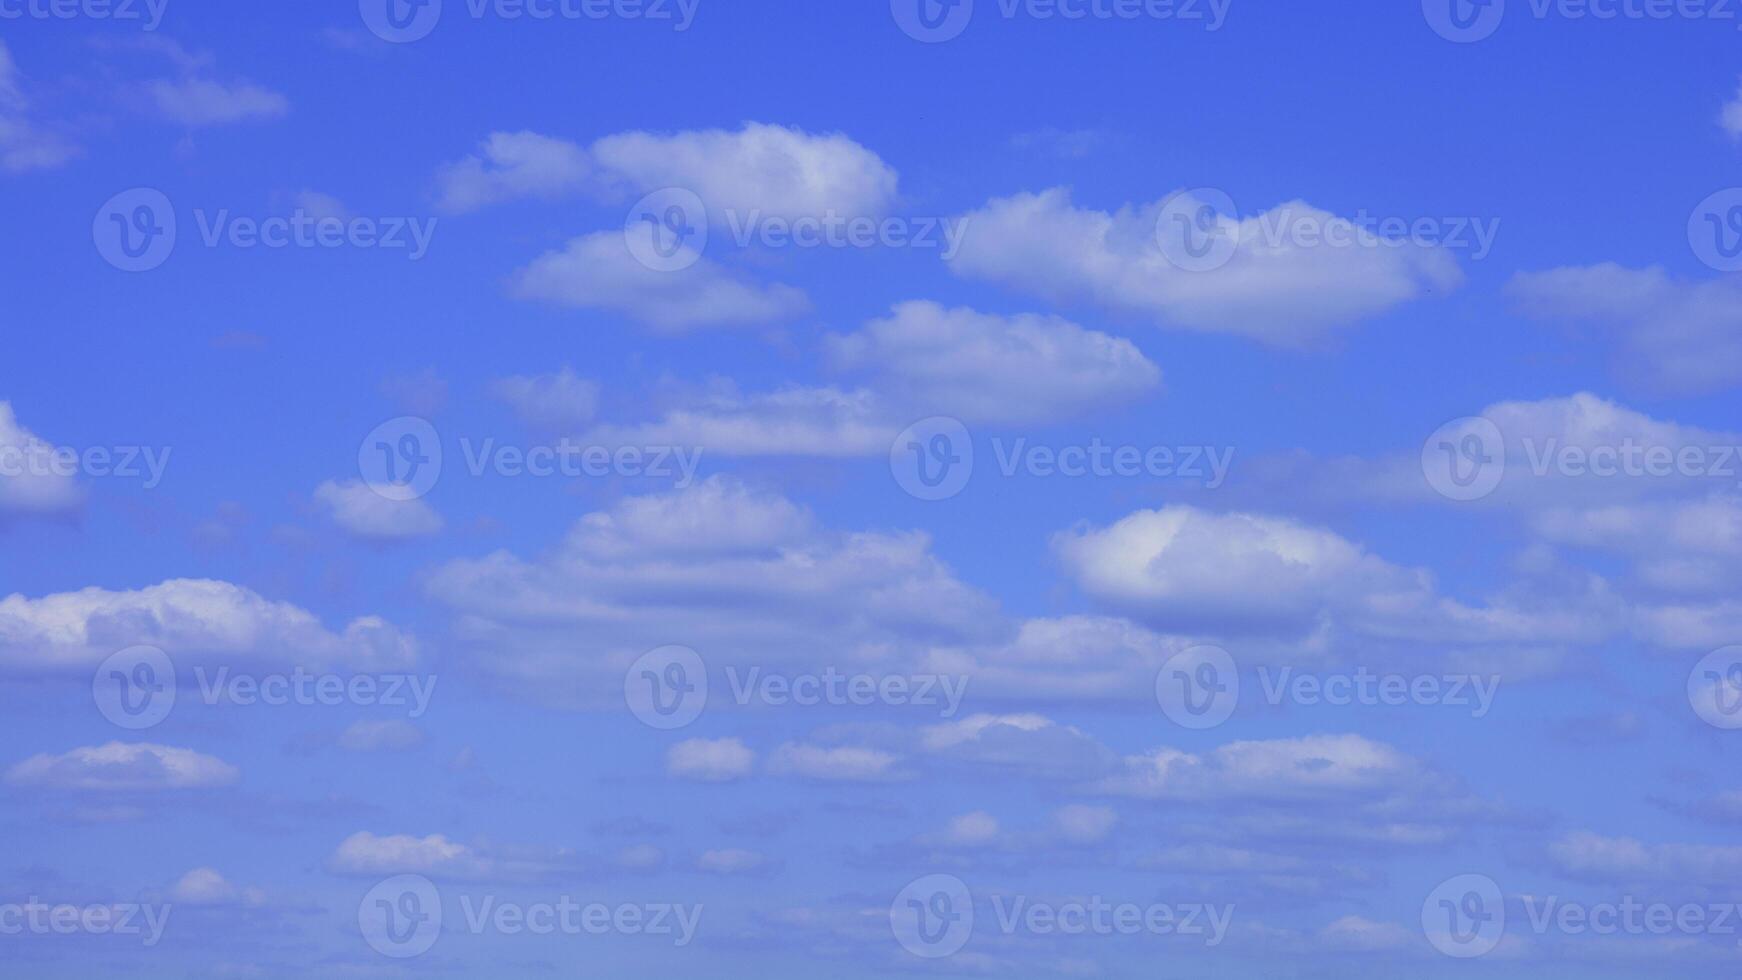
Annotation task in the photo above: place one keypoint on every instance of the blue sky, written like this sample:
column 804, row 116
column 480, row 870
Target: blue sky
column 1280, row 264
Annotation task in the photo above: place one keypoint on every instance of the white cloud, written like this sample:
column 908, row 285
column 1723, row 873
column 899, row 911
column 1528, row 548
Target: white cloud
column 1731, row 116
column 388, row 735
column 980, row 367
column 1274, row 289
column 1254, row 574
column 1625, row 859
column 559, row 402
column 1083, row 824
column 597, row 271
column 718, row 760
column 363, row 513
column 513, row 165
column 29, row 482
column 24, row 145
column 735, row 572
column 367, row 853
column 976, row 829
column 1276, row 769
column 922, row 360
column 208, row 102
column 834, row 764
column 124, row 767
column 778, row 171
column 205, row 886
column 192, row 620
column 731, row 861
column 1675, row 336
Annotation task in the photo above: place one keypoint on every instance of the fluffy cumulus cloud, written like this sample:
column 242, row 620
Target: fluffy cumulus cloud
column 717, row 760
column 124, row 768
column 1276, row 286
column 1252, row 575
column 362, row 513
column 507, row 166
column 557, row 402
column 1674, row 336
column 845, row 763
column 30, row 481
column 193, row 620
column 1627, row 860
column 598, row 271
column 776, row 171
column 195, row 96
column 24, row 144
column 742, row 575
column 207, row 887
column 922, row 360
column 439, row 857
